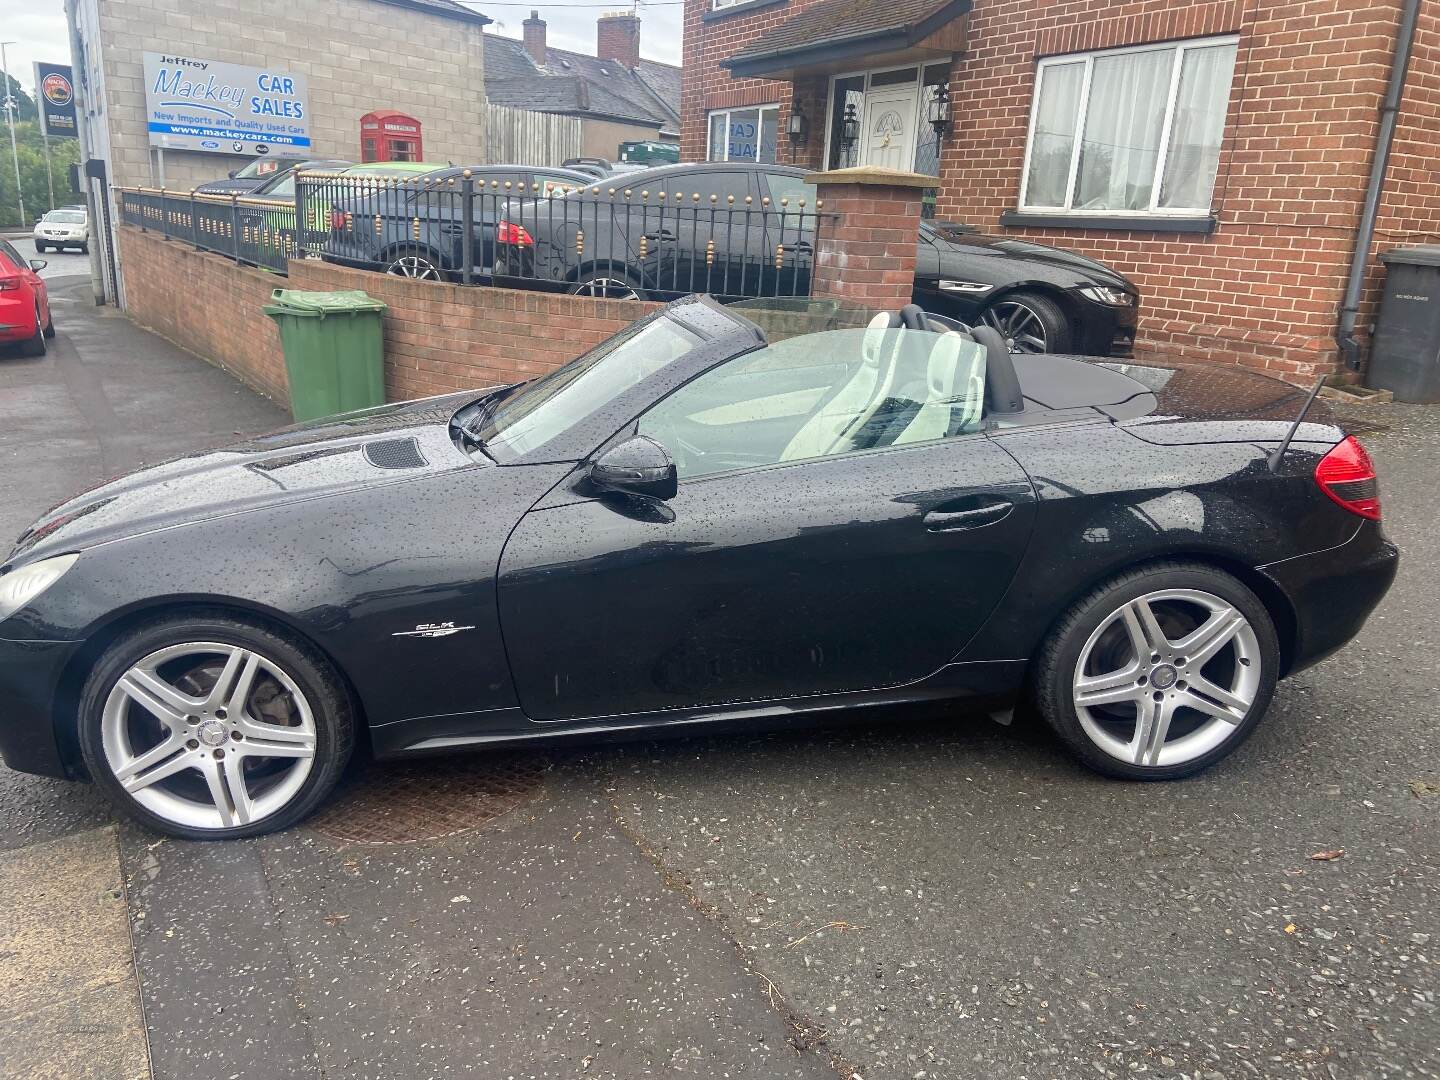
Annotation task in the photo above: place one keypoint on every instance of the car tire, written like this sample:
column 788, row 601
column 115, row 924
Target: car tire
column 179, row 697
column 1135, row 717
column 40, row 248
column 84, row 249
column 423, row 265
column 49, row 324
column 599, row 281
column 1029, row 323
column 35, row 346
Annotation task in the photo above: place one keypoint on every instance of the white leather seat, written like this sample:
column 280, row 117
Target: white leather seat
column 948, row 407
column 857, row 401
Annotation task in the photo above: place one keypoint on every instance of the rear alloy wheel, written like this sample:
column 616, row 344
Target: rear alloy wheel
column 1160, row 673
column 1029, row 323
column 214, row 728
column 415, row 266
column 607, row 284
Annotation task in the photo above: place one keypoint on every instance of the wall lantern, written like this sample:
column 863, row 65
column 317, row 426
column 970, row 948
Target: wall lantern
column 937, row 110
column 849, row 128
column 796, row 128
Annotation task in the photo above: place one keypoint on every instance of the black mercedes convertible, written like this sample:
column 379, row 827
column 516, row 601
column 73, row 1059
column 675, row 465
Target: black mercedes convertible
column 722, row 516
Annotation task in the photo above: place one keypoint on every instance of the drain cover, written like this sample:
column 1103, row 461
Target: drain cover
column 407, row 802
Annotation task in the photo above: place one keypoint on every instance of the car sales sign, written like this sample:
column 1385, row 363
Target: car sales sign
column 194, row 104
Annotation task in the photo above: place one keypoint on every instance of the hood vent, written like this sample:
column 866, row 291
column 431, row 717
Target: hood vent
column 395, row 454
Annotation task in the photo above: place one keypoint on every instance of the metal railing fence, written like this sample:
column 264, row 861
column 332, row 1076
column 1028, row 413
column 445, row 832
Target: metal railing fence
column 475, row 227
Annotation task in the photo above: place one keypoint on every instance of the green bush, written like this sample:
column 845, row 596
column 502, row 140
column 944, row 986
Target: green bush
column 32, row 173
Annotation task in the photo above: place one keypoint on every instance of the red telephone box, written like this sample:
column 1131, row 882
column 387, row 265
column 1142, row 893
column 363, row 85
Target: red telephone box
column 386, row 135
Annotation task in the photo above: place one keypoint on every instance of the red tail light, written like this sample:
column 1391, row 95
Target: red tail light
column 8, row 283
column 337, row 220
column 507, row 232
column 1347, row 475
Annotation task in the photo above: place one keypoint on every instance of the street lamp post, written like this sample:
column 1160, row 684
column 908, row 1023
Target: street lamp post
column 10, row 119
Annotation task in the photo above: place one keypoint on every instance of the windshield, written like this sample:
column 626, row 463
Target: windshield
column 548, row 407
column 66, row 217
column 258, row 167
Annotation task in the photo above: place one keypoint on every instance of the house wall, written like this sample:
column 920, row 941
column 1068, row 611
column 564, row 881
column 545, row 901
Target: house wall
column 357, row 55
column 1263, row 289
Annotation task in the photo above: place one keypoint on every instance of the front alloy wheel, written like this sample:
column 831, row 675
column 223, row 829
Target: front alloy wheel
column 1029, row 323
column 203, row 734
column 1160, row 672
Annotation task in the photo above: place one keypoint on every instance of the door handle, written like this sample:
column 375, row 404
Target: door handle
column 974, row 518
column 805, row 246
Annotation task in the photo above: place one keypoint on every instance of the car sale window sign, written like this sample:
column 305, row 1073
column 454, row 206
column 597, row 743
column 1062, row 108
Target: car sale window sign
column 196, row 104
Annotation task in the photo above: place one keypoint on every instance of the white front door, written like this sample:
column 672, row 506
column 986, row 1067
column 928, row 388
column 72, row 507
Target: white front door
column 889, row 127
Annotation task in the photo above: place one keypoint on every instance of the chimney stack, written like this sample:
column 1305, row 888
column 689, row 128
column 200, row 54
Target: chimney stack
column 535, row 37
column 617, row 37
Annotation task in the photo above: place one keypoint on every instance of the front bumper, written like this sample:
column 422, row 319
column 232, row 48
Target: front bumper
column 30, row 677
column 1334, row 591
column 1104, row 329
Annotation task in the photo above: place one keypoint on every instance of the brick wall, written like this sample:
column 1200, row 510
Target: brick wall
column 357, row 55
column 1264, row 288
column 438, row 337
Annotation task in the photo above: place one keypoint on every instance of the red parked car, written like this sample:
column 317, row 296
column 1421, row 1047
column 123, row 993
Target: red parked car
column 24, row 304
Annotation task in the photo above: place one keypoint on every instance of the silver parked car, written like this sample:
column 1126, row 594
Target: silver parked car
column 60, row 229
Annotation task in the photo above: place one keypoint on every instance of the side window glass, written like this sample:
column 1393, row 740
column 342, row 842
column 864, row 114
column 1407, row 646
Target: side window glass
column 822, row 394
column 720, row 184
column 784, row 186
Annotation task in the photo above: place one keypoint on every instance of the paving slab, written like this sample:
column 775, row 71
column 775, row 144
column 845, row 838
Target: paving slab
column 69, row 1005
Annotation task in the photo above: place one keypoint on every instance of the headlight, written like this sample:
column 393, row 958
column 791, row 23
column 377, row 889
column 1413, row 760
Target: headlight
column 19, row 587
column 972, row 287
column 1103, row 294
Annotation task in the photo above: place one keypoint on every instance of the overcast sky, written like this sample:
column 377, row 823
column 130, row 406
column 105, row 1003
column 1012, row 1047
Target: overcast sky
column 38, row 29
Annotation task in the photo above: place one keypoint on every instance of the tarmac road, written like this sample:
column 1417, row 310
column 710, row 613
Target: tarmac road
column 926, row 896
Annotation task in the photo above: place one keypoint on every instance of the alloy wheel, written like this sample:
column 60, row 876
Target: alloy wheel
column 208, row 735
column 610, row 288
column 415, row 266
column 1167, row 678
column 1020, row 326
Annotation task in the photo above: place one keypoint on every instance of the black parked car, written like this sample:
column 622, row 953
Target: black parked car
column 258, row 174
column 1041, row 299
column 722, row 516
column 421, row 219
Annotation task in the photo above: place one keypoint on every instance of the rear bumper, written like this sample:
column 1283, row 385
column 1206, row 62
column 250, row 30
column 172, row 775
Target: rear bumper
column 1334, row 591
column 30, row 674
column 17, row 315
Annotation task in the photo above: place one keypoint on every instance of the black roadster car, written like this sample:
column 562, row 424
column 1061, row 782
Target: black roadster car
column 721, row 516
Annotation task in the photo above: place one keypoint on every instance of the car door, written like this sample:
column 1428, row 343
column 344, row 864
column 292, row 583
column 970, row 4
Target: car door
column 782, row 568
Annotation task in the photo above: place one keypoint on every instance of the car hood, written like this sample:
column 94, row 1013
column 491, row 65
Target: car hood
column 961, row 244
column 385, row 445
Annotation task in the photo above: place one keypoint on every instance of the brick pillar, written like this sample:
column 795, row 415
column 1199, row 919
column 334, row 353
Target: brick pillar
column 865, row 249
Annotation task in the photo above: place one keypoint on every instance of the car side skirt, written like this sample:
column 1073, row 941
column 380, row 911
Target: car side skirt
column 993, row 684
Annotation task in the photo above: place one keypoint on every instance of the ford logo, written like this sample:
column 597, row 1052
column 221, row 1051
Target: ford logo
column 210, row 144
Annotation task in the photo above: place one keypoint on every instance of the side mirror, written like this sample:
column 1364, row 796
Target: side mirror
column 38, row 264
column 638, row 466
column 234, row 173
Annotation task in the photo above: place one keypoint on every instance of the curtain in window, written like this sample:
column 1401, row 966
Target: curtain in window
column 1121, row 144
column 717, row 137
column 1198, row 126
column 1054, row 141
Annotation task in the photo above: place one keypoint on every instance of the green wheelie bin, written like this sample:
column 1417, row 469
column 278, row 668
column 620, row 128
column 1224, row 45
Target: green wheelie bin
column 334, row 346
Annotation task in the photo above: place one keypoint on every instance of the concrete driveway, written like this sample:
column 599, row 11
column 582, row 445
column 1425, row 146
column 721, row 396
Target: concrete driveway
column 924, row 896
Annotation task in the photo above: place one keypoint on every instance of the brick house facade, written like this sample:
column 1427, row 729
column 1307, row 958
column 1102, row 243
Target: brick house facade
column 1254, row 276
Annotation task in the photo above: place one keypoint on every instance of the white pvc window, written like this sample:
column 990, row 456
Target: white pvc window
column 1128, row 131
column 721, row 5
column 747, row 134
